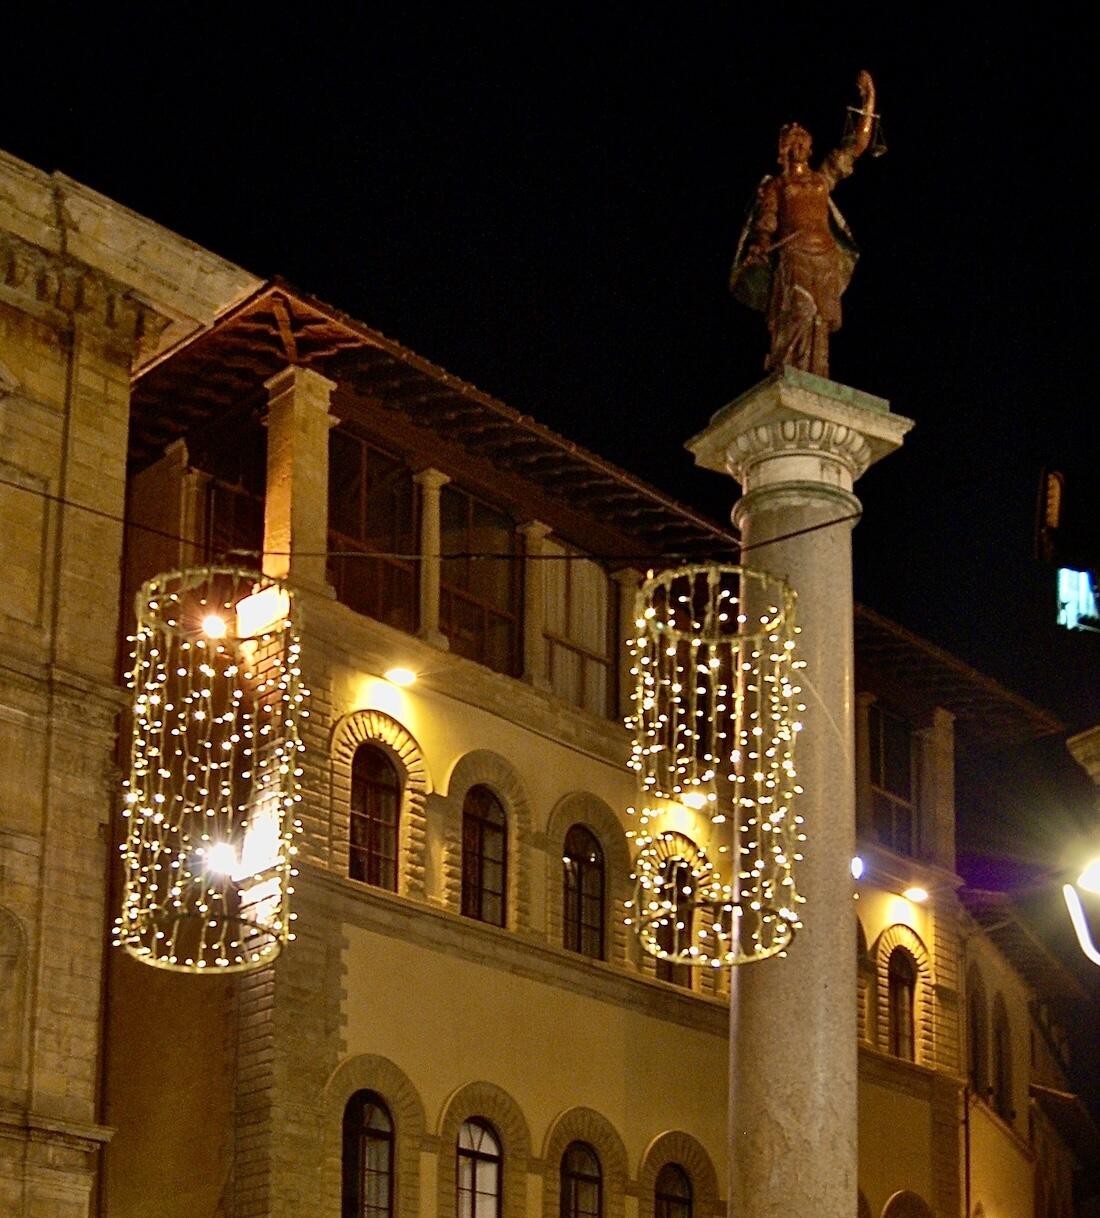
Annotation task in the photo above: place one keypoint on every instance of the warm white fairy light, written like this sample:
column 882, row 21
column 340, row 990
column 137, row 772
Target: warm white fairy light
column 214, row 776
column 716, row 712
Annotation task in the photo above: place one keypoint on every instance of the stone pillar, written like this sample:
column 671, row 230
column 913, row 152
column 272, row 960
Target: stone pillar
column 797, row 443
column 534, row 604
column 936, row 790
column 431, row 482
column 865, row 827
column 296, row 502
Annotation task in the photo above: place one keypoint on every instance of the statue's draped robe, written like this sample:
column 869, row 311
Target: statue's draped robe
column 800, row 285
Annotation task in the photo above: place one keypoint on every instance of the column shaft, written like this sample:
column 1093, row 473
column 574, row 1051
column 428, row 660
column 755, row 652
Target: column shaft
column 431, row 483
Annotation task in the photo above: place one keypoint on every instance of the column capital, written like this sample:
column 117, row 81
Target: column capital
column 431, row 479
column 534, row 531
column 798, row 427
column 308, row 386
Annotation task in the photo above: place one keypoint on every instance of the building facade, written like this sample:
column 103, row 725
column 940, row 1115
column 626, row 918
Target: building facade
column 464, row 1024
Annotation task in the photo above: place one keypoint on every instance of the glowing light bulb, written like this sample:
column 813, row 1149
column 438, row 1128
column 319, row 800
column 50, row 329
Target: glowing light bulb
column 694, row 800
column 213, row 626
column 1089, row 879
column 400, row 676
column 221, row 858
column 916, row 894
column 857, row 868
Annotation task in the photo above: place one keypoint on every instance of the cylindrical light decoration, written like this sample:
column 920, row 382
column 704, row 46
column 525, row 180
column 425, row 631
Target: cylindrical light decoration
column 715, row 717
column 214, row 766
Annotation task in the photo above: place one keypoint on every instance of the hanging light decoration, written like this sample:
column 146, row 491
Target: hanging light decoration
column 215, row 761
column 716, row 712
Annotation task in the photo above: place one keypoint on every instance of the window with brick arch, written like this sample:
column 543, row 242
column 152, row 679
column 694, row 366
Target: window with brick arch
column 367, row 1158
column 583, row 879
column 484, row 857
column 374, row 815
column 581, row 1182
column 672, row 1195
column 479, row 1167
column 902, row 990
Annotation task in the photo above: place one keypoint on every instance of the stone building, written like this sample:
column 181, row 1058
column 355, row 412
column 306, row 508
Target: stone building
column 464, row 1024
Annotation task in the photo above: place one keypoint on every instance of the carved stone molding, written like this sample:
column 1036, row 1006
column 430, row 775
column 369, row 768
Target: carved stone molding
column 686, row 1152
column 585, row 1125
column 814, row 438
column 40, row 281
column 900, row 935
column 493, row 1104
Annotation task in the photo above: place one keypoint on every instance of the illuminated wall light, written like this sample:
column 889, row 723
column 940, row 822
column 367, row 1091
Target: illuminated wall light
column 1089, row 879
column 916, row 894
column 400, row 676
column 857, row 868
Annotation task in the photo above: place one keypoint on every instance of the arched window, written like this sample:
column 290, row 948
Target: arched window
column 479, row 1163
column 484, row 856
column 581, row 1182
column 977, row 1062
column 583, row 893
column 1002, row 1061
column 672, row 1193
column 367, row 1158
column 902, row 977
column 676, row 930
column 375, row 808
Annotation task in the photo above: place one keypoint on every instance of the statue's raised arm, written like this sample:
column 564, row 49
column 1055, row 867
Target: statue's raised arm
column 796, row 255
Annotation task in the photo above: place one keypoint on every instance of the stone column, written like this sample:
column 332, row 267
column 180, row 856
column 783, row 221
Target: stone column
column 534, row 604
column 797, row 443
column 296, row 503
column 431, row 482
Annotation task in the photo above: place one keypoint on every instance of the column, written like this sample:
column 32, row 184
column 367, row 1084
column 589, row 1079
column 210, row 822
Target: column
column 629, row 582
column 534, row 604
column 431, row 482
column 796, row 443
column 296, row 503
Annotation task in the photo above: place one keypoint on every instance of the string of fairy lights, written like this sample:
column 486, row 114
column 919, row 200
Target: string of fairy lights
column 715, row 716
column 215, row 763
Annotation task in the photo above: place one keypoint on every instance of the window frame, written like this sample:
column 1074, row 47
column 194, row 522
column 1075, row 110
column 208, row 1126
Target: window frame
column 886, row 802
column 476, row 1156
column 667, row 1204
column 569, row 1202
column 553, row 641
column 575, row 870
column 372, row 826
column 353, row 1203
column 901, row 1001
column 477, row 829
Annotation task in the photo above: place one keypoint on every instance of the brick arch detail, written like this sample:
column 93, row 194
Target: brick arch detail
column 377, row 728
column 900, row 935
column 866, row 986
column 482, row 767
column 368, row 1072
column 582, row 808
column 504, row 1114
column 585, row 1125
column 678, row 1147
column 907, row 1205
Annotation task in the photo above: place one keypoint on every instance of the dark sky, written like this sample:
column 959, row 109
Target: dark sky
column 546, row 200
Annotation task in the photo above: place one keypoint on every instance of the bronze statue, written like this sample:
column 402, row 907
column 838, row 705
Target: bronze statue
column 796, row 255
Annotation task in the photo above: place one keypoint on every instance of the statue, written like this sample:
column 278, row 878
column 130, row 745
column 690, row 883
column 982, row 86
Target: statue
column 796, row 255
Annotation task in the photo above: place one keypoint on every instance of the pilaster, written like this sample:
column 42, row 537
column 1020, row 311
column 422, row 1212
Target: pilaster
column 797, row 443
column 296, row 503
column 431, row 483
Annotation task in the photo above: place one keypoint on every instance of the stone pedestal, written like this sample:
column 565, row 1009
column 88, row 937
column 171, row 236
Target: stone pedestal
column 797, row 443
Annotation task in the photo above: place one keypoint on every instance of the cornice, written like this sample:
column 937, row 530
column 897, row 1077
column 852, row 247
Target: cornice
column 65, row 292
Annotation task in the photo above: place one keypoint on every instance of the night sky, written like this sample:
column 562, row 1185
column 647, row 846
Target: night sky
column 546, row 201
